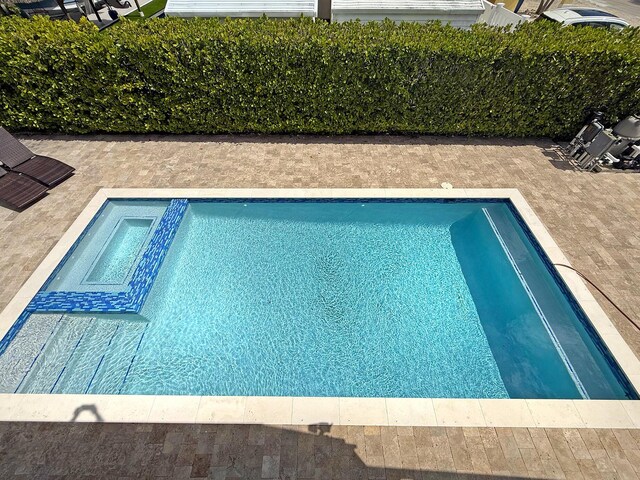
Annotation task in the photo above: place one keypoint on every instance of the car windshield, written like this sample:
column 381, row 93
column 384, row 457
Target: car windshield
column 590, row 12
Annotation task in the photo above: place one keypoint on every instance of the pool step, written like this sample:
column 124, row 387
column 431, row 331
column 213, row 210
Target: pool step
column 25, row 349
column 45, row 371
column 115, row 367
column 574, row 338
column 83, row 354
column 535, row 330
column 81, row 367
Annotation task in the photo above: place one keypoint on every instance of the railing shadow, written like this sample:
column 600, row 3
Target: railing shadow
column 90, row 408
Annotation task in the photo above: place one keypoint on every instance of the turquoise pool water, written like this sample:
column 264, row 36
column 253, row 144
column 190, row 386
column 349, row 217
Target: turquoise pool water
column 357, row 298
column 115, row 262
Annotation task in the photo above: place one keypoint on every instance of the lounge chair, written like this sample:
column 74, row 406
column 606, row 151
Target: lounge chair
column 118, row 4
column 19, row 159
column 18, row 191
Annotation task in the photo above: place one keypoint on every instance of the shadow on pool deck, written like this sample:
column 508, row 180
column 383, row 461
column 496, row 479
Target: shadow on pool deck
column 30, row 450
column 293, row 139
column 323, row 451
column 92, row 409
column 558, row 158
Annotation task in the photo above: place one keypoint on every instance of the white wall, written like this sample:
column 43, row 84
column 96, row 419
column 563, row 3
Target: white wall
column 456, row 19
column 459, row 13
column 497, row 15
column 241, row 8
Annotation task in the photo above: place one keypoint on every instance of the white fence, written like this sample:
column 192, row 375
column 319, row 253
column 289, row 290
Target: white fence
column 497, row 15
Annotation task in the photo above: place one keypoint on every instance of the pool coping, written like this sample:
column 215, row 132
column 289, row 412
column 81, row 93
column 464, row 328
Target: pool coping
column 330, row 410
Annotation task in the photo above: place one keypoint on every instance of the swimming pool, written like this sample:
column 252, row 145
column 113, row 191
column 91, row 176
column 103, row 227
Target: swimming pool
column 348, row 297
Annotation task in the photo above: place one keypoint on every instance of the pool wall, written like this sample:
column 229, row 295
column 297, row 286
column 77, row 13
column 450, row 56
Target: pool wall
column 339, row 411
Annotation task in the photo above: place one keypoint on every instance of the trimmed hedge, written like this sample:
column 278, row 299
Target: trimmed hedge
column 299, row 76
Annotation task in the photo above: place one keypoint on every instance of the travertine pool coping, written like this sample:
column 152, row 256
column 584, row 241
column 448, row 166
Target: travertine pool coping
column 336, row 411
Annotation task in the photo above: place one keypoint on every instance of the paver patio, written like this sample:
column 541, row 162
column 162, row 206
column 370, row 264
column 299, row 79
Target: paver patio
column 595, row 219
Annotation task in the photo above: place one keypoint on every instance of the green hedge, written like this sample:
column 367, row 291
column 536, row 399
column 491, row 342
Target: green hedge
column 299, row 76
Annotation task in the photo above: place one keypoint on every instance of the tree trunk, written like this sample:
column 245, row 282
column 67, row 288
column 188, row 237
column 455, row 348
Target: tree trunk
column 544, row 6
column 139, row 9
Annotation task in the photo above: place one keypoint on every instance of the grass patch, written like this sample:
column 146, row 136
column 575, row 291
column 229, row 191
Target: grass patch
column 151, row 8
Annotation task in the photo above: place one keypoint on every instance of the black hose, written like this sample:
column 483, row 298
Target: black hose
column 584, row 277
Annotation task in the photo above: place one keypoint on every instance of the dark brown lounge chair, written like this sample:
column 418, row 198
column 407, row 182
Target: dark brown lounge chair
column 18, row 191
column 19, row 159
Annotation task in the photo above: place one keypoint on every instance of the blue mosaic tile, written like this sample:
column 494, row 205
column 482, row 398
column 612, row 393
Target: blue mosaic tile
column 132, row 299
column 349, row 200
column 149, row 266
column 13, row 331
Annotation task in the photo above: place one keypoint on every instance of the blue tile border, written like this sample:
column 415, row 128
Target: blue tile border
column 624, row 381
column 130, row 300
column 13, row 331
column 62, row 301
column 149, row 266
column 348, row 200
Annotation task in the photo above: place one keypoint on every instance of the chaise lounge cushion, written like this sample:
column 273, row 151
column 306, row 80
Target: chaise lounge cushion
column 18, row 158
column 47, row 170
column 18, row 191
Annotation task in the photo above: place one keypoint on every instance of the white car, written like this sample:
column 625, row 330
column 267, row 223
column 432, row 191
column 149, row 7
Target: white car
column 584, row 17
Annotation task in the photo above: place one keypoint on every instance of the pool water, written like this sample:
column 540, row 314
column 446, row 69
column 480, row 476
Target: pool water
column 117, row 259
column 105, row 257
column 326, row 298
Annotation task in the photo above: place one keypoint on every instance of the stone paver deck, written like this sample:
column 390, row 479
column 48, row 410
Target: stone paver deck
column 595, row 219
column 32, row 450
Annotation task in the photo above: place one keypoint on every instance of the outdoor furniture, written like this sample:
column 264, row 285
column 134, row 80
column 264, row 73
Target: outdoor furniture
column 50, row 8
column 19, row 159
column 118, row 4
column 18, row 191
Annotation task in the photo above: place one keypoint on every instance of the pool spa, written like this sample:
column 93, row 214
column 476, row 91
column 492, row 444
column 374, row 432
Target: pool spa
column 421, row 294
